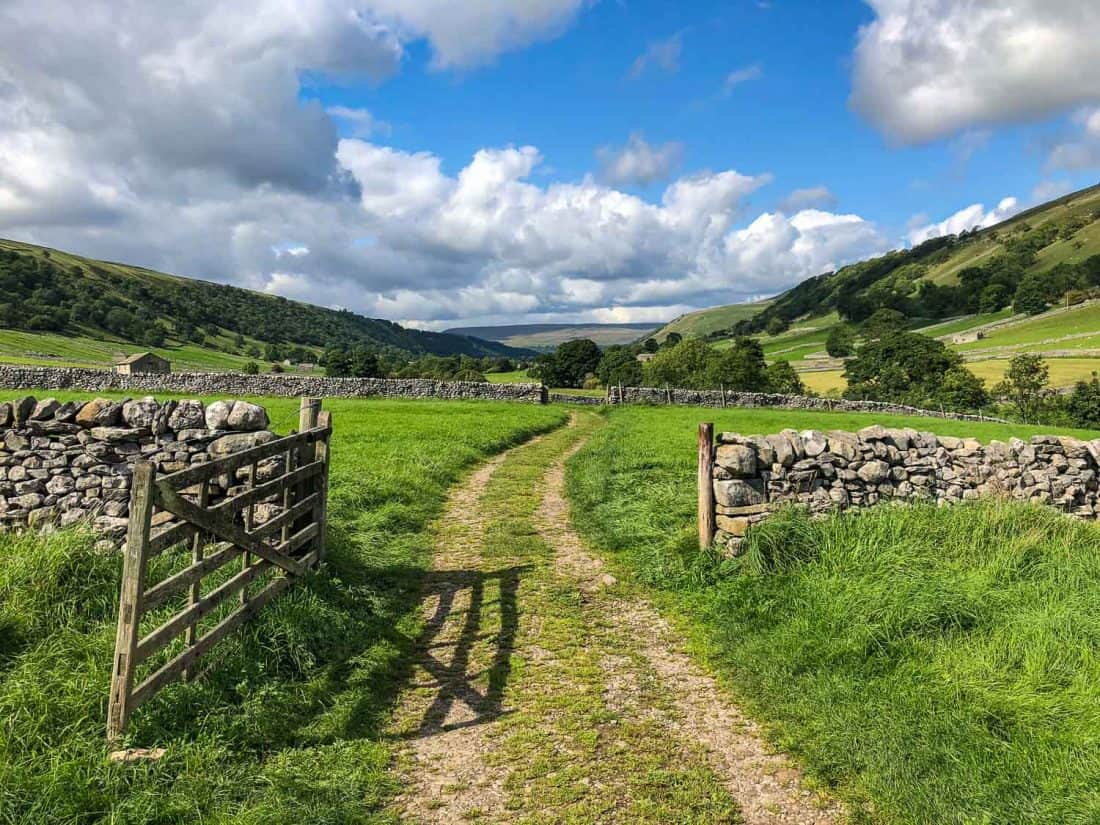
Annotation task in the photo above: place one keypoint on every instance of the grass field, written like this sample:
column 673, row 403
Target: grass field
column 1045, row 329
column 930, row 665
column 49, row 349
column 287, row 728
column 705, row 321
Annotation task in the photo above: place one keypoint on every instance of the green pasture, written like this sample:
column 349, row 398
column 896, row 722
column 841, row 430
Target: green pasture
column 929, row 665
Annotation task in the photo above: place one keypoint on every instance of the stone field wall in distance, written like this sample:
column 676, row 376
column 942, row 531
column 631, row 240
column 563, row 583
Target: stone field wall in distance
column 752, row 475
column 237, row 384
column 729, row 398
column 71, row 462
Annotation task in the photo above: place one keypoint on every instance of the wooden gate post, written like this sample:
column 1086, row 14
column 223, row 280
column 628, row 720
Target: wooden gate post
column 707, row 524
column 308, row 411
column 129, row 602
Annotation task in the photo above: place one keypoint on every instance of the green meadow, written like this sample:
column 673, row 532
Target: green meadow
column 929, row 665
column 287, row 728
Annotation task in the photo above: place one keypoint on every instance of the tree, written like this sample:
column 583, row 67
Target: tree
column 250, row 368
column 993, row 298
column 684, row 365
column 782, row 378
column 277, row 367
column 619, row 365
column 570, row 363
column 1023, row 384
column 905, row 367
column 841, row 341
column 1031, row 295
column 672, row 339
column 776, row 325
column 363, row 363
column 741, row 367
column 651, row 344
column 1083, row 404
column 962, row 390
column 884, row 322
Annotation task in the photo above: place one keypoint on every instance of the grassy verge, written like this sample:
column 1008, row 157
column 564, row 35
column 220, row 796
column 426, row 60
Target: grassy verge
column 932, row 665
column 287, row 728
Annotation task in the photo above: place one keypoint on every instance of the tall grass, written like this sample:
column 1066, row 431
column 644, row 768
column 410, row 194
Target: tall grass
column 286, row 725
column 933, row 665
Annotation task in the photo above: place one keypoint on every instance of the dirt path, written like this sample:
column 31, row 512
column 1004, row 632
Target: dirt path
column 547, row 691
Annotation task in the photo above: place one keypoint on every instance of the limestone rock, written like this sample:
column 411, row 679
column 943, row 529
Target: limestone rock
column 739, row 492
column 217, row 415
column 738, row 459
column 115, row 435
column 100, row 412
column 22, row 409
column 141, row 414
column 246, row 417
column 235, row 442
column 874, row 471
column 44, row 409
column 814, row 442
column 188, row 415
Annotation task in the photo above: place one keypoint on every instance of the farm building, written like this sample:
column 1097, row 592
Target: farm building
column 967, row 337
column 645, row 356
column 143, row 362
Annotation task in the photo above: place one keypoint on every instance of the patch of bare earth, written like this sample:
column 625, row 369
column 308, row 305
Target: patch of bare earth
column 764, row 783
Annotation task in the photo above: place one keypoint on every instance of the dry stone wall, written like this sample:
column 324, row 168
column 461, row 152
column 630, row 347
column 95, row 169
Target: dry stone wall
column 837, row 470
column 67, row 462
column 729, row 398
column 235, row 384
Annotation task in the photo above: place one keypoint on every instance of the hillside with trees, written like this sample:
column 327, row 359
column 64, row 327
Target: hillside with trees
column 51, row 292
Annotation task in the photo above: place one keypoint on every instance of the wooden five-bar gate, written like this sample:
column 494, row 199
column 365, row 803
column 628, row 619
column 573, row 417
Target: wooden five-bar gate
column 290, row 472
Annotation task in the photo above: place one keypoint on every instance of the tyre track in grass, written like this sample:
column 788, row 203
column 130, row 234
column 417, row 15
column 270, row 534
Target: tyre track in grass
column 546, row 691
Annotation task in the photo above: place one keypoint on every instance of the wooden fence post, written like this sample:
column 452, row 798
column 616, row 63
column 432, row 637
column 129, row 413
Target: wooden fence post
column 129, row 602
column 707, row 524
column 324, row 419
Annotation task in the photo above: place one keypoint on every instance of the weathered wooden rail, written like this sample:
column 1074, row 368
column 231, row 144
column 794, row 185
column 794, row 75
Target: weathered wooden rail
column 291, row 472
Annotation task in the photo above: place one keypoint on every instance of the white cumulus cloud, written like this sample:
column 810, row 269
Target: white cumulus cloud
column 638, row 162
column 964, row 220
column 925, row 69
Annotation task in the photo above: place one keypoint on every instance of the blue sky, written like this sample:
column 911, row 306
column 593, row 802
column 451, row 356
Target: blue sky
column 576, row 93
column 534, row 160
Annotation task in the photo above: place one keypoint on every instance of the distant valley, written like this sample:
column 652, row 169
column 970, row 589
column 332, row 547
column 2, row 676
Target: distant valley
column 548, row 336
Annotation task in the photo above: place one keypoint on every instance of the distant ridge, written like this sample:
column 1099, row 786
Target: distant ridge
column 548, row 336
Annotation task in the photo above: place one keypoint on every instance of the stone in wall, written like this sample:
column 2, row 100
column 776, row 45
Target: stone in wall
column 838, row 470
column 63, row 463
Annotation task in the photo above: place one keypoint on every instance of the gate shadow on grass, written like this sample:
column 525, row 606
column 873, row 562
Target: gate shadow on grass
column 460, row 599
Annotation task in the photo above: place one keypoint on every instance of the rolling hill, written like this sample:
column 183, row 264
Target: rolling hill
column 960, row 289
column 706, row 322
column 64, row 309
column 548, row 336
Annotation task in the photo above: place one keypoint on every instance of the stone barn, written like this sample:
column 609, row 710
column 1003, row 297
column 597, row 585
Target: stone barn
column 143, row 362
